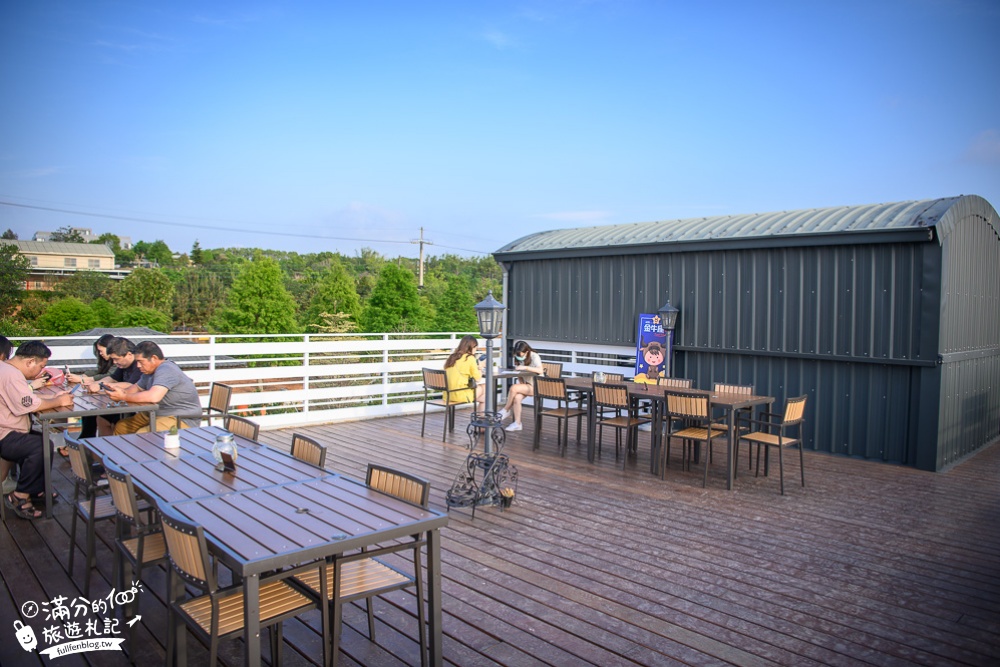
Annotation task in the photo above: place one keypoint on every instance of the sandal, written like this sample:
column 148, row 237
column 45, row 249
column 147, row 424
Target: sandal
column 25, row 510
column 39, row 498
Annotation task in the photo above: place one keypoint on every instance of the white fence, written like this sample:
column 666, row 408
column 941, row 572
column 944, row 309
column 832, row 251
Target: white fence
column 284, row 380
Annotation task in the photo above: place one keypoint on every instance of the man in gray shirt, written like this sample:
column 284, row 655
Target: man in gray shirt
column 162, row 382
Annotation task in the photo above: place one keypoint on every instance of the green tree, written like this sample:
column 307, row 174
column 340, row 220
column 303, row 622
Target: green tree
column 196, row 252
column 14, row 268
column 394, row 304
column 157, row 251
column 149, row 288
column 86, row 286
column 106, row 314
column 66, row 316
column 199, row 294
column 66, row 235
column 9, row 234
column 137, row 316
column 334, row 294
column 257, row 302
column 455, row 310
column 15, row 326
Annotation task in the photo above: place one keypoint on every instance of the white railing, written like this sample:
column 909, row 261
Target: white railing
column 284, row 380
column 280, row 380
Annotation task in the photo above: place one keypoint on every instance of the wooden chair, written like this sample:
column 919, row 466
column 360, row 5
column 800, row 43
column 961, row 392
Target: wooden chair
column 554, row 389
column 436, row 382
column 741, row 416
column 217, row 613
column 553, row 369
column 308, row 450
column 693, row 409
column 94, row 506
column 614, row 397
column 773, row 432
column 219, row 397
column 364, row 575
column 6, row 468
column 139, row 537
column 675, row 383
column 241, row 426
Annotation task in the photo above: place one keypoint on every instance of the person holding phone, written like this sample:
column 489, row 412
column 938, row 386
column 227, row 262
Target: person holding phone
column 526, row 360
column 162, row 382
column 462, row 370
column 125, row 373
column 17, row 441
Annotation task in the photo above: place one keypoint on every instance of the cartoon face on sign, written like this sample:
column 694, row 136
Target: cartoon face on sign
column 653, row 353
column 650, row 350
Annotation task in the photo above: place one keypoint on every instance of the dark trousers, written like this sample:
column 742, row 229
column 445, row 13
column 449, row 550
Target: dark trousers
column 25, row 449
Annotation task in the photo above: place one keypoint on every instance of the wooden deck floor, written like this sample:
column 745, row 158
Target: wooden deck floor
column 595, row 565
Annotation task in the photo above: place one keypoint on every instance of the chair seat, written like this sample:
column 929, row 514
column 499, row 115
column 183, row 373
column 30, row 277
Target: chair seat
column 104, row 507
column 699, row 433
column 768, row 439
column 623, row 421
column 564, row 413
column 154, row 547
column 359, row 578
column 277, row 598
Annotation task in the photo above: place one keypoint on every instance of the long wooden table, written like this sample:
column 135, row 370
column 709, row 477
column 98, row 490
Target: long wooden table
column 84, row 405
column 274, row 512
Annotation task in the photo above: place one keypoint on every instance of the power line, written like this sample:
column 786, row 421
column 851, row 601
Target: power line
column 169, row 223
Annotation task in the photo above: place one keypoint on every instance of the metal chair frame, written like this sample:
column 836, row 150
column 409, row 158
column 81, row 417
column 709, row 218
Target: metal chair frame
column 554, row 389
column 614, row 396
column 95, row 506
column 306, row 449
column 693, row 410
column 187, row 551
column 773, row 434
column 436, row 381
column 241, row 426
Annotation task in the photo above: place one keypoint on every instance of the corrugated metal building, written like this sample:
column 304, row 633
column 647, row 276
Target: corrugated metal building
column 887, row 316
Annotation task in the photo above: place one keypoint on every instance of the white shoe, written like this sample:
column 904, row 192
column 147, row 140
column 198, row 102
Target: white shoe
column 504, row 413
column 513, row 426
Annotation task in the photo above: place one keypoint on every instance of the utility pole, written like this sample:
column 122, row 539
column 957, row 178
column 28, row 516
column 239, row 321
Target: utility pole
column 422, row 242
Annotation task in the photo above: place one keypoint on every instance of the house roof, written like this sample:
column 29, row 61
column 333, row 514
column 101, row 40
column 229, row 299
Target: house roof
column 56, row 248
column 914, row 217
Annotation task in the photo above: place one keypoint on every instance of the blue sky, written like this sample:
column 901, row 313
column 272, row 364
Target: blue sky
column 313, row 126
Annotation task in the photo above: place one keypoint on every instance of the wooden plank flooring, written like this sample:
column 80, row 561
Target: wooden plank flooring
column 599, row 565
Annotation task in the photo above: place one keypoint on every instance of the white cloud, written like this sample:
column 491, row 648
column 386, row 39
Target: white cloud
column 499, row 39
column 984, row 148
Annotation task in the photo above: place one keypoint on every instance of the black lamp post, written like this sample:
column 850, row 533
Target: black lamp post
column 668, row 318
column 489, row 312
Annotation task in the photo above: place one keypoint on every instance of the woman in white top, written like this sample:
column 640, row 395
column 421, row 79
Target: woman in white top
column 525, row 359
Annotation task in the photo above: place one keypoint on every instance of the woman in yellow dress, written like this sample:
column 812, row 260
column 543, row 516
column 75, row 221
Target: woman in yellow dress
column 462, row 371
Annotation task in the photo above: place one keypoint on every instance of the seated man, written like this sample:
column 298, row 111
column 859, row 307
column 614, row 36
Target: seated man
column 126, row 373
column 17, row 442
column 162, row 382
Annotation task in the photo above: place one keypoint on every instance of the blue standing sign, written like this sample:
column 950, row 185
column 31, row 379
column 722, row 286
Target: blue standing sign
column 650, row 349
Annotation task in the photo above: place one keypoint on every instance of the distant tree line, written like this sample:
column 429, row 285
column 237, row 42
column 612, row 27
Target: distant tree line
column 249, row 291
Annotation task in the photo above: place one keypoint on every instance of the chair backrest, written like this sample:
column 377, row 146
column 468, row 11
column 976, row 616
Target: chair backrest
column 610, row 377
column 79, row 462
column 550, row 388
column 396, row 483
column 219, row 397
column 794, row 410
column 677, row 383
column 188, row 550
column 435, row 380
column 241, row 427
column 688, row 405
column 611, row 395
column 723, row 388
column 123, row 494
column 553, row 369
column 308, row 450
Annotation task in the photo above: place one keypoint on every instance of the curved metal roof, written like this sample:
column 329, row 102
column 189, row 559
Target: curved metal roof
column 844, row 219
